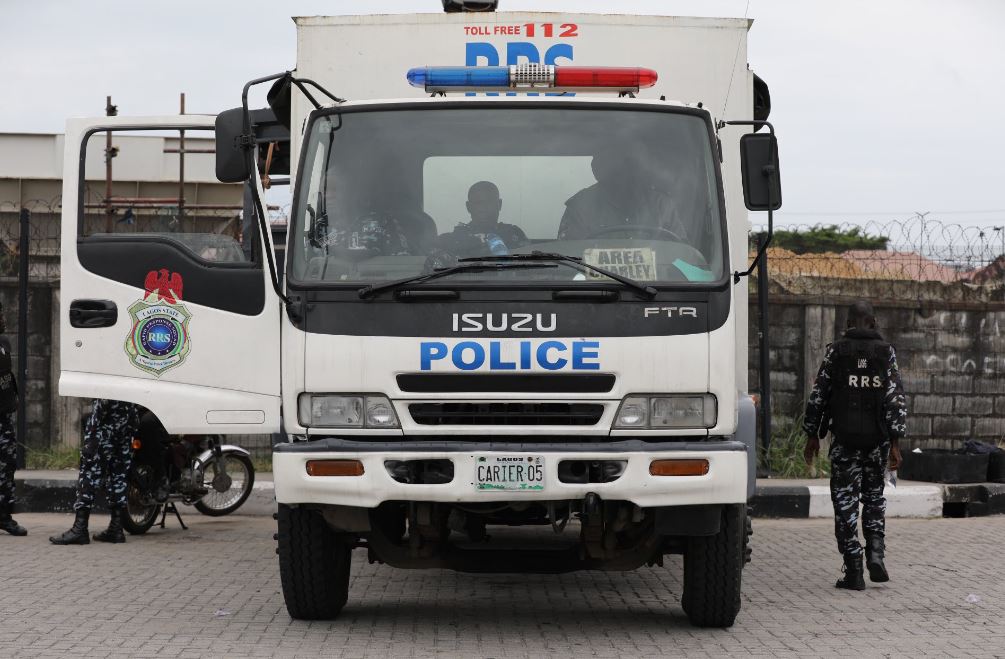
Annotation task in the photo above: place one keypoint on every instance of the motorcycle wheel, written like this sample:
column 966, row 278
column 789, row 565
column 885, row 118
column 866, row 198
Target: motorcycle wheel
column 242, row 474
column 139, row 516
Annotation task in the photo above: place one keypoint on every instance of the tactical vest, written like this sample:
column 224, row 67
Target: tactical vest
column 8, row 386
column 858, row 391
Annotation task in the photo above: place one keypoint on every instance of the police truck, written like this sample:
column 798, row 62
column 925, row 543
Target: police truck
column 510, row 330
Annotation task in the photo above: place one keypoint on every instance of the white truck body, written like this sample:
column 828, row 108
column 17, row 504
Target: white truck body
column 230, row 357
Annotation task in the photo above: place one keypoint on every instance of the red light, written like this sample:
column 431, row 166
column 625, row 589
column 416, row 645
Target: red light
column 613, row 77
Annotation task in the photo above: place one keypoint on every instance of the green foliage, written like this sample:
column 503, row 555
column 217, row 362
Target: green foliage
column 263, row 464
column 58, row 457
column 826, row 239
column 785, row 457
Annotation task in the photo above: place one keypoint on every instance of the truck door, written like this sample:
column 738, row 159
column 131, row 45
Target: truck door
column 161, row 304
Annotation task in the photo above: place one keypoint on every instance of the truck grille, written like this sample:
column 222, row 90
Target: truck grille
column 506, row 414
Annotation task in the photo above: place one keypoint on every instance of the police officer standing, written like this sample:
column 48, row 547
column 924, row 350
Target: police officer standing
column 105, row 454
column 8, row 435
column 859, row 398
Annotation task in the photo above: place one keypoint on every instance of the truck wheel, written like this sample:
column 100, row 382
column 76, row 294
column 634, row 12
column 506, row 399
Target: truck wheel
column 712, row 567
column 313, row 564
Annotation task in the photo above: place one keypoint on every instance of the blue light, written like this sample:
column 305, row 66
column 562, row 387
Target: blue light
column 459, row 76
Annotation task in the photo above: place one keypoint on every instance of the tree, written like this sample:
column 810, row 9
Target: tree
column 831, row 238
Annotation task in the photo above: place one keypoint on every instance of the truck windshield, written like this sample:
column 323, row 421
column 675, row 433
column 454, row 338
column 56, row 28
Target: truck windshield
column 388, row 194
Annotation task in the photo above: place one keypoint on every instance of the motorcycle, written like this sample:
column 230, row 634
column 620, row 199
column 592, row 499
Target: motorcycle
column 196, row 470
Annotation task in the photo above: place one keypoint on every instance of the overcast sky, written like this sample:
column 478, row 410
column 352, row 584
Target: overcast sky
column 882, row 108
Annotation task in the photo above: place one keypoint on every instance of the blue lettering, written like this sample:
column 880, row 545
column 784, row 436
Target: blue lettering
column 477, row 351
column 583, row 350
column 558, row 50
column 525, row 355
column 545, row 362
column 518, row 49
column 430, row 351
column 495, row 358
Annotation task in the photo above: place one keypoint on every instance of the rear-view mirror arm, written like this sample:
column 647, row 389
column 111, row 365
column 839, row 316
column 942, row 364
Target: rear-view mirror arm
column 771, row 172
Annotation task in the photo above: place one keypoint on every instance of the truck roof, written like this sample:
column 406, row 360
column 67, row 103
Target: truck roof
column 611, row 99
column 540, row 16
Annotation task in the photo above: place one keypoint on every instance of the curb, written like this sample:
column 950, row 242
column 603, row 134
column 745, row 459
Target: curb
column 56, row 495
column 914, row 501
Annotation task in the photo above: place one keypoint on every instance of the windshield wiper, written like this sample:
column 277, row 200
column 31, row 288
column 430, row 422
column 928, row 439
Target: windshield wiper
column 536, row 256
column 373, row 289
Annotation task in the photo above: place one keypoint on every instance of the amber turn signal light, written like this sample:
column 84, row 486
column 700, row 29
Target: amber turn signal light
column 679, row 467
column 334, row 468
column 136, row 443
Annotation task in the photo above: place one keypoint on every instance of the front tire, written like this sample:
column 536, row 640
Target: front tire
column 712, row 569
column 241, row 471
column 313, row 564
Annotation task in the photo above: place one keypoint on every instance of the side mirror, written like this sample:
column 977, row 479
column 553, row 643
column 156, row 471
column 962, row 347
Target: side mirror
column 762, row 188
column 231, row 164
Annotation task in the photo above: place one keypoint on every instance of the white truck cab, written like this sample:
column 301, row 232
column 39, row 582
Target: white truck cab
column 496, row 311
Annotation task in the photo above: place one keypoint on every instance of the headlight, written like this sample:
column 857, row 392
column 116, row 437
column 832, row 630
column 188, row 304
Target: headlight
column 379, row 413
column 654, row 412
column 634, row 413
column 336, row 411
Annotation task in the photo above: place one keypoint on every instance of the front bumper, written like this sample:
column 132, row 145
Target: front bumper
column 725, row 482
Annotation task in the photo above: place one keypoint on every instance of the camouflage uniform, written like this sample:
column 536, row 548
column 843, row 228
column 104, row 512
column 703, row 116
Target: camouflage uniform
column 8, row 458
column 8, row 424
column 106, row 452
column 857, row 474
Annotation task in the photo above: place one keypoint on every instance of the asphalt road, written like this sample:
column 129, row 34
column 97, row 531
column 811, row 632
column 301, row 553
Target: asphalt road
column 213, row 591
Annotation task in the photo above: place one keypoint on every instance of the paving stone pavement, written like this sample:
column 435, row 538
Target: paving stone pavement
column 213, row 591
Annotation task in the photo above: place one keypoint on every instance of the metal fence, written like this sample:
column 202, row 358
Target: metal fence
column 43, row 242
column 917, row 250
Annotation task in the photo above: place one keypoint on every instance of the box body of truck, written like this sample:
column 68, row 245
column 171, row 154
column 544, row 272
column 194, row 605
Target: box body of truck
column 465, row 340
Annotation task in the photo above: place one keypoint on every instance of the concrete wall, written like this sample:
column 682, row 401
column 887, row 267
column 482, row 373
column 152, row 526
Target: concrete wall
column 951, row 354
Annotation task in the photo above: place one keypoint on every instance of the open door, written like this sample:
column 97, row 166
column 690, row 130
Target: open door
column 161, row 304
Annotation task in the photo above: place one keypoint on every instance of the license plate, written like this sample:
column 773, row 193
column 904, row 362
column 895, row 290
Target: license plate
column 509, row 473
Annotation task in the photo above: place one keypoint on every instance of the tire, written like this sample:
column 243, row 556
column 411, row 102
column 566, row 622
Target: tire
column 712, row 569
column 218, row 504
column 139, row 517
column 313, row 564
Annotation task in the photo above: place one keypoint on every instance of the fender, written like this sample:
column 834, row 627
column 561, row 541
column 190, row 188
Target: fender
column 224, row 448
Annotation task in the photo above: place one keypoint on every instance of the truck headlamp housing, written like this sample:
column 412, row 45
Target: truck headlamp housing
column 346, row 411
column 657, row 412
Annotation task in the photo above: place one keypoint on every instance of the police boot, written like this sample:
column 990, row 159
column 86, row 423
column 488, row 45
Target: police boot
column 875, row 549
column 114, row 531
column 8, row 524
column 853, row 578
column 77, row 535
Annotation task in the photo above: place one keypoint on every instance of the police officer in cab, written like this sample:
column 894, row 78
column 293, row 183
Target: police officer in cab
column 859, row 398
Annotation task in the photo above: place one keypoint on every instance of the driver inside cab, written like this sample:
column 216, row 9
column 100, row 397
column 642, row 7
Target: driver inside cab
column 625, row 195
column 484, row 235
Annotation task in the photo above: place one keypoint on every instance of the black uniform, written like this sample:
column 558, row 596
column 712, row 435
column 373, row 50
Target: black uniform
column 858, row 388
column 106, row 451
column 8, row 426
column 467, row 241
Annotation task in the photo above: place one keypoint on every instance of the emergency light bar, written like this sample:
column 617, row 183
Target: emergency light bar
column 526, row 77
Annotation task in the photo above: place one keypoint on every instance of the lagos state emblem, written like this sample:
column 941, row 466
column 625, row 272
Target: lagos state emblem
column 158, row 339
